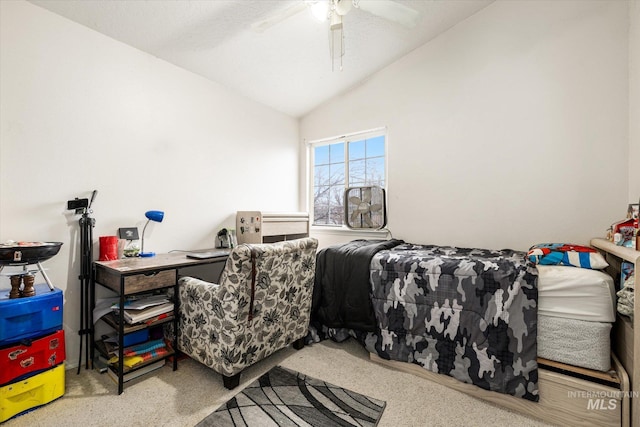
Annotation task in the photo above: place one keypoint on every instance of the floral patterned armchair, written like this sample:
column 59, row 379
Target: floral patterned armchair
column 261, row 305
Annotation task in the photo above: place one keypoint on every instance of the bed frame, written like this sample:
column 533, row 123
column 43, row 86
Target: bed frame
column 571, row 395
column 568, row 395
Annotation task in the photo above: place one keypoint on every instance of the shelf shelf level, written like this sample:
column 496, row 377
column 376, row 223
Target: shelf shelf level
column 626, row 254
column 627, row 342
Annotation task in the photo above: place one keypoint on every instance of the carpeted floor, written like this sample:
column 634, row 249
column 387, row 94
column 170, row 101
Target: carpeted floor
column 187, row 396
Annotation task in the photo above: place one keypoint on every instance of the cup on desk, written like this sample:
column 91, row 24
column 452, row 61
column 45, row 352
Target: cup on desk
column 108, row 248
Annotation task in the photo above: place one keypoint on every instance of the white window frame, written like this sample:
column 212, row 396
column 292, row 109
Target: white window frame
column 346, row 138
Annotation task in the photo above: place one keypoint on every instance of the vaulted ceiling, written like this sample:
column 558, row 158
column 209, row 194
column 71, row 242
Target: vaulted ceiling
column 272, row 51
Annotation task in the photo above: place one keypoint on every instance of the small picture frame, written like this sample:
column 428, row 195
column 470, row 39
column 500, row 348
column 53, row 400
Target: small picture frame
column 633, row 210
column 128, row 233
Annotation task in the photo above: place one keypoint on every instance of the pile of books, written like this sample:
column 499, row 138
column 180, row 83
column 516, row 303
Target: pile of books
column 146, row 309
column 136, row 356
column 135, row 374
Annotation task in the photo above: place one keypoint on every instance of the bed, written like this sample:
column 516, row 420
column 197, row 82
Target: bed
column 482, row 317
column 467, row 313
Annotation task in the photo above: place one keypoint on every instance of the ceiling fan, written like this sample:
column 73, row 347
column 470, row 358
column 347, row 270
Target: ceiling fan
column 334, row 10
column 326, row 9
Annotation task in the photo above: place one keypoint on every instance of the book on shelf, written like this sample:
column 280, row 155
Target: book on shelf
column 154, row 319
column 145, row 314
column 107, row 347
column 138, row 372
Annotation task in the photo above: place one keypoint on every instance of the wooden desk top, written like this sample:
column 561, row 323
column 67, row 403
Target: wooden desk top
column 158, row 262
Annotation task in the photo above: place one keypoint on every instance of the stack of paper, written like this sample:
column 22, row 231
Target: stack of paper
column 136, row 316
column 139, row 310
column 140, row 303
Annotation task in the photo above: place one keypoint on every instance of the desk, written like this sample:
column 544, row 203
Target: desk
column 131, row 276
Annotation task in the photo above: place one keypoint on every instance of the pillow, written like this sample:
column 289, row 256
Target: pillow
column 566, row 254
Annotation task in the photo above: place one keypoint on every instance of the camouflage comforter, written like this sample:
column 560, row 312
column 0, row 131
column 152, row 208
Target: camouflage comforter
column 467, row 313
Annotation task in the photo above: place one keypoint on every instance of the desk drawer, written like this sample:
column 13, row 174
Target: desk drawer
column 137, row 282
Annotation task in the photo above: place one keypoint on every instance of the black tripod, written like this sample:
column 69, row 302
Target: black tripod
column 87, row 223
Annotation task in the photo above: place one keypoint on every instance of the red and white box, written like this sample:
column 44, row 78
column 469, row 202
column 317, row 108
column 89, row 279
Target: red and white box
column 19, row 360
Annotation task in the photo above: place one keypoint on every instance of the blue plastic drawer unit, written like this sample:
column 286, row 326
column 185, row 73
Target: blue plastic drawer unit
column 30, row 317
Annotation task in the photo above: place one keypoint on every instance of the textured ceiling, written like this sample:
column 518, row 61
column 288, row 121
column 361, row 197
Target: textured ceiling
column 287, row 66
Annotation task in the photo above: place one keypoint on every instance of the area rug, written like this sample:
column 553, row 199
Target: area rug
column 284, row 398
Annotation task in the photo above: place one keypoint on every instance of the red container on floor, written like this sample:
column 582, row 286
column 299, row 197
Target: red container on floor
column 21, row 360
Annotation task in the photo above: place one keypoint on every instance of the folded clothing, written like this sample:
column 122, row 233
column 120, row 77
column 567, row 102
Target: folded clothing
column 137, row 354
column 626, row 297
column 566, row 254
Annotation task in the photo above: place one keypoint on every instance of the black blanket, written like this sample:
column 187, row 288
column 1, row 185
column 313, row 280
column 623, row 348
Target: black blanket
column 341, row 294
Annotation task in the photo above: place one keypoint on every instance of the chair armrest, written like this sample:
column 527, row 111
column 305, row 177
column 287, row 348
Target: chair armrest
column 201, row 302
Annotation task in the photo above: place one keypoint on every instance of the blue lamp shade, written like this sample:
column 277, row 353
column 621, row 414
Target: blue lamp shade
column 155, row 216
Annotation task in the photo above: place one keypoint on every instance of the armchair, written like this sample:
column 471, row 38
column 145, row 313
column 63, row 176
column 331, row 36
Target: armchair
column 262, row 304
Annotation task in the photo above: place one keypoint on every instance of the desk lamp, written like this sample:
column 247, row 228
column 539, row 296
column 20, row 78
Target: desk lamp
column 155, row 216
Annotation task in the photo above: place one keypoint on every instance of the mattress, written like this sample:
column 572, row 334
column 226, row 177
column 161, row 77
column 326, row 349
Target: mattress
column 575, row 342
column 576, row 293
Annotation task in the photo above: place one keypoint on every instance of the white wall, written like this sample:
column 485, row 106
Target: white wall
column 507, row 130
column 634, row 101
column 80, row 111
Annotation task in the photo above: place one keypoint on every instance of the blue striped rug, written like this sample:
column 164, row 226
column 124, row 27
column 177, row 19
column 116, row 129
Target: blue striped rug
column 284, row 398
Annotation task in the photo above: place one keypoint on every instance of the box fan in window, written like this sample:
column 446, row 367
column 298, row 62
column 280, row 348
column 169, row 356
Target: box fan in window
column 364, row 207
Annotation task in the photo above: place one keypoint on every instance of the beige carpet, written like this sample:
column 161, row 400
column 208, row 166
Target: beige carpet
column 184, row 397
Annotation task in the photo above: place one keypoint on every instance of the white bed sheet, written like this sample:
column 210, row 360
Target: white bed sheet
column 576, row 293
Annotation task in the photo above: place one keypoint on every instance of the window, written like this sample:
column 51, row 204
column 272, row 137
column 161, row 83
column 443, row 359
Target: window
column 347, row 161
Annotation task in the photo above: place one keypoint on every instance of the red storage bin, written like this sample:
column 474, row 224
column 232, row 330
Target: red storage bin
column 20, row 360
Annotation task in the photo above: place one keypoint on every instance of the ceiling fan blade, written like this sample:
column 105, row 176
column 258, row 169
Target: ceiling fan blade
column 391, row 11
column 278, row 17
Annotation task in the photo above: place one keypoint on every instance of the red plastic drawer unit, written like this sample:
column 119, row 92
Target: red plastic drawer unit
column 21, row 360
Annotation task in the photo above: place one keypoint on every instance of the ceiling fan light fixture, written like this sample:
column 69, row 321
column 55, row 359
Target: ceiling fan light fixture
column 342, row 7
column 320, row 10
